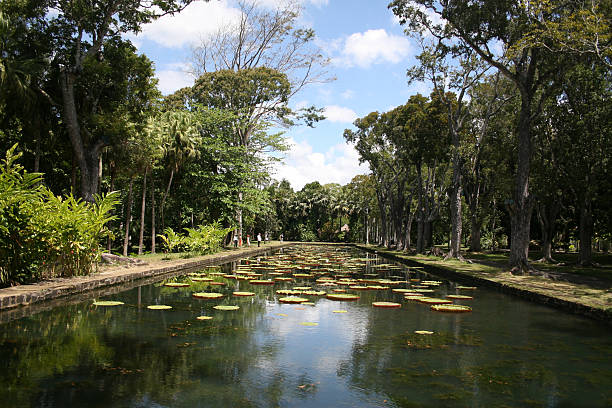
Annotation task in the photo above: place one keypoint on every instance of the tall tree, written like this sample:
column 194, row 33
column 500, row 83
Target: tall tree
column 82, row 29
column 479, row 25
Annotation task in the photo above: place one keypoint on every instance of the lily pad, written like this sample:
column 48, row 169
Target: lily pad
column 340, row 311
column 435, row 301
column 244, row 294
column 467, row 287
column 342, row 296
column 451, row 308
column 309, row 324
column 292, row 299
column 261, row 282
column 387, row 304
column 159, row 307
column 107, row 303
column 207, row 295
column 176, row 284
column 204, row 317
column 201, row 279
column 226, row 307
column 423, row 332
column 463, row 297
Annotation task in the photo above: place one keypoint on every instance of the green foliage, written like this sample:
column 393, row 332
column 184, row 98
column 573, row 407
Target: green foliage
column 204, row 239
column 42, row 235
column 172, row 240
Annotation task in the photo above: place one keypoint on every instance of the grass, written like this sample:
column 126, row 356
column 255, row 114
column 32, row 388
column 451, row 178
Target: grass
column 161, row 256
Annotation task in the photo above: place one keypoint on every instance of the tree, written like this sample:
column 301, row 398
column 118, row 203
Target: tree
column 478, row 25
column 582, row 126
column 178, row 132
column 264, row 38
column 82, row 31
column 437, row 66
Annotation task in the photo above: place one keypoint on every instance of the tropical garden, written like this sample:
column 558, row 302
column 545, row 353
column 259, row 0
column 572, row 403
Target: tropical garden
column 511, row 150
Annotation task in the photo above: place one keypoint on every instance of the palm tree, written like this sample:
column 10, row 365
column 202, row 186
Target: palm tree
column 180, row 140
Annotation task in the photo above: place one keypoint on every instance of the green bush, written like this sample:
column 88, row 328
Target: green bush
column 203, row 239
column 41, row 235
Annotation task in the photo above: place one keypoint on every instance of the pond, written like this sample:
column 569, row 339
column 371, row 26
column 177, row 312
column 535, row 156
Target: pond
column 322, row 353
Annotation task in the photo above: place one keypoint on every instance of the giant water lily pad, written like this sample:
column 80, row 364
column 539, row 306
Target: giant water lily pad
column 107, row 303
column 226, row 307
column 244, row 294
column 292, row 299
column 340, row 311
column 423, row 332
column 435, row 301
column 204, row 317
column 387, row 304
column 176, row 284
column 309, row 324
column 261, row 282
column 461, row 297
column 467, row 287
column 342, row 296
column 159, row 307
column 451, row 308
column 207, row 295
column 201, row 279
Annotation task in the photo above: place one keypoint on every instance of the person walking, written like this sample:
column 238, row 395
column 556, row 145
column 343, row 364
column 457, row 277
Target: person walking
column 258, row 239
column 235, row 240
column 281, row 237
column 249, row 240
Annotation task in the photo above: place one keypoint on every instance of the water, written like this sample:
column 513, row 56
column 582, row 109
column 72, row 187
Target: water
column 507, row 352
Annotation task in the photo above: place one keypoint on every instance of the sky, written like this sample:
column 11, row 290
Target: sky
column 369, row 55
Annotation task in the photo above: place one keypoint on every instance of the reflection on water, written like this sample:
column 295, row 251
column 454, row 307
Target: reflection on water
column 507, row 352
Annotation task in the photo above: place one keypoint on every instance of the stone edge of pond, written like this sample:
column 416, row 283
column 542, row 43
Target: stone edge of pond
column 599, row 314
column 19, row 298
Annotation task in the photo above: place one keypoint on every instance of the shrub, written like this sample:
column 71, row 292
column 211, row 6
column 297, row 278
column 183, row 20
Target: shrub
column 42, row 235
column 200, row 240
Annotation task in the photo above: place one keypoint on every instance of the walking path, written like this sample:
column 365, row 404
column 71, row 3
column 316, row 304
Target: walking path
column 18, row 301
column 591, row 297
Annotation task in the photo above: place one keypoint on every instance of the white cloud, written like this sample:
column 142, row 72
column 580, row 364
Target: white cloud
column 187, row 27
column 280, row 3
column 348, row 94
column 373, row 47
column 303, row 165
column 335, row 113
column 173, row 77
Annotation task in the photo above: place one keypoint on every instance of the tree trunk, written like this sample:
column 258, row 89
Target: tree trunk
column 128, row 217
column 143, row 208
column 109, row 244
column 383, row 221
column 163, row 203
column 522, row 204
column 427, row 234
column 586, row 233
column 455, row 203
column 87, row 158
column 420, row 213
column 239, row 217
column 475, row 235
column 152, row 215
column 547, row 214
column 407, row 240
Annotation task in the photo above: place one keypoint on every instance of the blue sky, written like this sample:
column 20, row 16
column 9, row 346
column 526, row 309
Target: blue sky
column 369, row 53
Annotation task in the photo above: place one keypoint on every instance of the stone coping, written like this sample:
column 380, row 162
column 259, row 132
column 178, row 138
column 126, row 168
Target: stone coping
column 23, row 300
column 570, row 297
